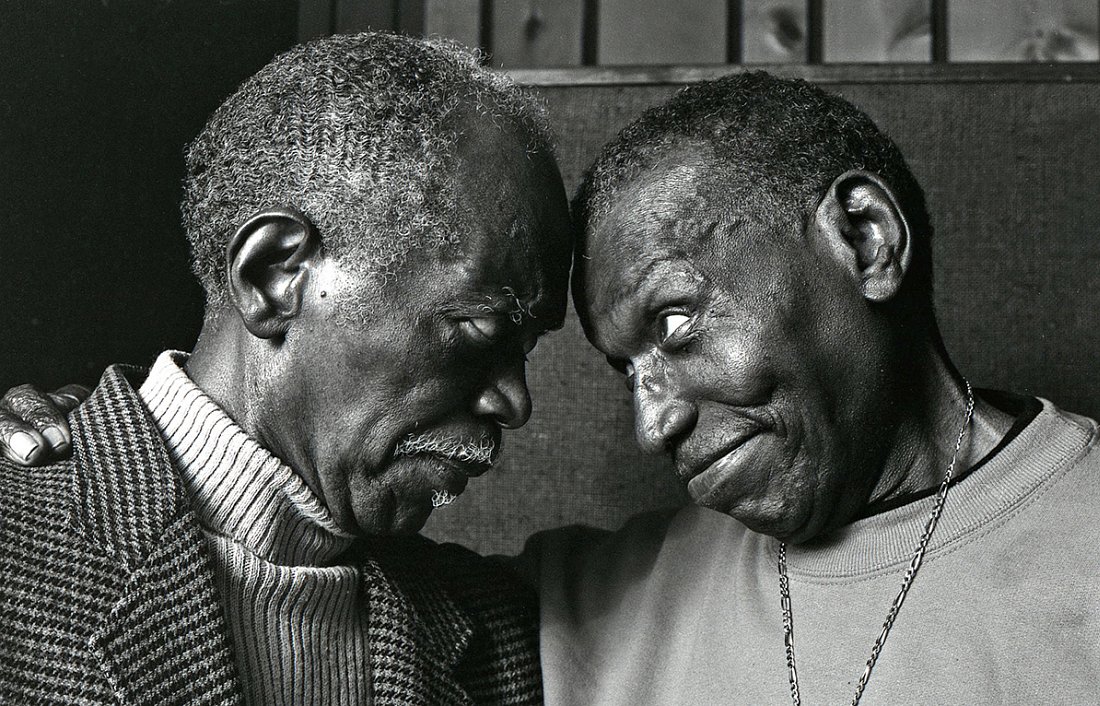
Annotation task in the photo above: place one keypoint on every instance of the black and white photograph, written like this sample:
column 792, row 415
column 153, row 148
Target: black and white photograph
column 568, row 352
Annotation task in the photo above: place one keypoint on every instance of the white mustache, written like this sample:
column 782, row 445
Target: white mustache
column 479, row 451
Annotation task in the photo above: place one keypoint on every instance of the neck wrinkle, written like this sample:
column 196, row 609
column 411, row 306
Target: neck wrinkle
column 238, row 488
column 217, row 366
column 925, row 439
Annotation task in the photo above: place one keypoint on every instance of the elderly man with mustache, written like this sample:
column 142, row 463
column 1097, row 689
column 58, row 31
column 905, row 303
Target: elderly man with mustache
column 382, row 234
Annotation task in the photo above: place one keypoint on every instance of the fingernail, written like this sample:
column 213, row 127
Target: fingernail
column 22, row 444
column 55, row 437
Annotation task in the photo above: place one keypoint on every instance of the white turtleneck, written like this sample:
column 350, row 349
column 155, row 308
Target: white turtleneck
column 297, row 616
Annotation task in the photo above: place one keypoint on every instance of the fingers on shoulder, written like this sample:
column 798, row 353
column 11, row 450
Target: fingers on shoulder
column 70, row 397
column 32, row 425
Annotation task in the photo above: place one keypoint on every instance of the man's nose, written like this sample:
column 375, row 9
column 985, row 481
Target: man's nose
column 506, row 399
column 662, row 416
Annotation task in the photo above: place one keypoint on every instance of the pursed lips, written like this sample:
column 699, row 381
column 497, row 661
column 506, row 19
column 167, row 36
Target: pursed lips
column 467, row 467
column 690, row 470
column 456, row 471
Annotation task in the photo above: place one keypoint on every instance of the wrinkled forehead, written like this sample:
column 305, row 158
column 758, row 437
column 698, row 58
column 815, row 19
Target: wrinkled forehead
column 515, row 214
column 662, row 212
column 650, row 202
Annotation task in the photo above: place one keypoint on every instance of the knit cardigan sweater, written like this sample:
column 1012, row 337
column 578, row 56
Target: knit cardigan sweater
column 108, row 594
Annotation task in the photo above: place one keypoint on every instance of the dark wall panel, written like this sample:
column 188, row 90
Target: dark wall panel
column 97, row 100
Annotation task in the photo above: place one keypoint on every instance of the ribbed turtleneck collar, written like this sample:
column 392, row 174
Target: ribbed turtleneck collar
column 238, row 489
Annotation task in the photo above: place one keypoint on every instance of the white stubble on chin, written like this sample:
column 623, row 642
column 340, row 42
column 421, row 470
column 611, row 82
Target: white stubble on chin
column 442, row 497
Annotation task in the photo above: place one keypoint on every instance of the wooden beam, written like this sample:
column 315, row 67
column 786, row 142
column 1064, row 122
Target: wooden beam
column 410, row 17
column 815, row 31
column 833, row 73
column 360, row 15
column 733, row 31
column 940, row 28
column 590, row 33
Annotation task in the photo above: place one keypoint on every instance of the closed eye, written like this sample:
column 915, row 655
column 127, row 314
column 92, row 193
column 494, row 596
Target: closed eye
column 483, row 330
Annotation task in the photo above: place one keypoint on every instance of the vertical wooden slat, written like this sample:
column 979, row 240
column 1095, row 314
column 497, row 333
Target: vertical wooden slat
column 734, row 22
column 878, row 31
column 661, row 32
column 359, row 15
column 939, row 31
column 590, row 33
column 774, row 31
column 410, row 17
column 533, row 33
column 459, row 20
column 487, row 26
column 314, row 19
column 815, row 35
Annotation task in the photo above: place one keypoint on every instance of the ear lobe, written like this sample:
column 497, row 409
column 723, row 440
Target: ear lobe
column 268, row 261
column 865, row 227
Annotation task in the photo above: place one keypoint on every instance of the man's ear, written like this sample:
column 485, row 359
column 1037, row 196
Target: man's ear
column 864, row 226
column 268, row 261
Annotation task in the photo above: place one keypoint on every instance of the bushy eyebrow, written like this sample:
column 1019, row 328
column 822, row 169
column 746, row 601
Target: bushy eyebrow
column 649, row 289
column 618, row 295
column 508, row 304
column 634, row 310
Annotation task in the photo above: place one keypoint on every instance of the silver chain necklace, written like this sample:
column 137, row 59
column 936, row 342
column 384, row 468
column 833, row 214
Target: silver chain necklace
column 906, row 582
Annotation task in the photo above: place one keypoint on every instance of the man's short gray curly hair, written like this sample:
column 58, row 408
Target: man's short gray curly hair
column 358, row 133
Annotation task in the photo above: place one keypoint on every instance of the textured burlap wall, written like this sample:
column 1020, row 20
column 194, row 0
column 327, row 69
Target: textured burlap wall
column 1011, row 175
